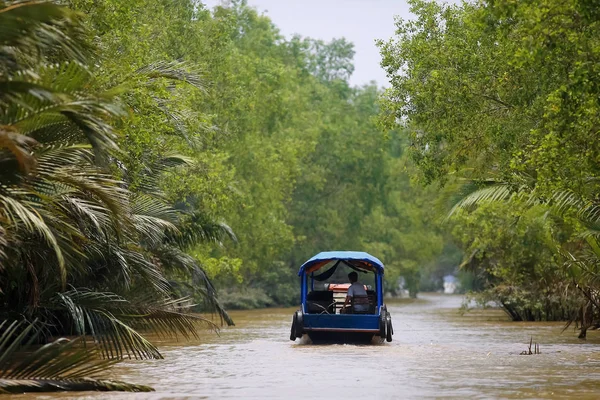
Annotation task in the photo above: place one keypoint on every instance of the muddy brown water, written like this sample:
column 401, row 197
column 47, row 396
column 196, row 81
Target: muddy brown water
column 436, row 353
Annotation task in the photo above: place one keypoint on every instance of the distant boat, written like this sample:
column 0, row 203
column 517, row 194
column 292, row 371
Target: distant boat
column 322, row 315
column 450, row 284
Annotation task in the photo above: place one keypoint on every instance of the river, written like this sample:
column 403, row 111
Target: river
column 436, row 353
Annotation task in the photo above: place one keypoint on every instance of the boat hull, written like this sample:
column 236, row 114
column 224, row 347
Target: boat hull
column 328, row 337
column 342, row 328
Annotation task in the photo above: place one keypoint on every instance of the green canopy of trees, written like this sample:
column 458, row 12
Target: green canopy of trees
column 501, row 102
column 284, row 150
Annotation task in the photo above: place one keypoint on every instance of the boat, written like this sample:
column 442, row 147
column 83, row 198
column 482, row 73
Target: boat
column 325, row 316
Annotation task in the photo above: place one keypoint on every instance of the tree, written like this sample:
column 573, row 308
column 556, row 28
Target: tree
column 85, row 252
column 501, row 87
column 499, row 95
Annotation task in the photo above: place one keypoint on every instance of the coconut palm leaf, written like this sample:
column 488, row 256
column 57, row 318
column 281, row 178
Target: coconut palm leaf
column 3, row 242
column 30, row 29
column 465, row 193
column 170, row 317
column 584, row 263
column 180, row 121
column 581, row 256
column 112, row 321
column 174, row 259
column 196, row 227
column 97, row 314
column 63, row 202
column 153, row 172
column 15, row 92
column 18, row 386
column 152, row 216
column 143, row 271
column 493, row 192
column 55, row 108
column 172, row 70
column 61, row 365
column 21, row 213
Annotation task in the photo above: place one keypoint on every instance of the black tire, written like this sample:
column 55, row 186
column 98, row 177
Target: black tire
column 383, row 324
column 299, row 323
column 390, row 329
column 293, row 330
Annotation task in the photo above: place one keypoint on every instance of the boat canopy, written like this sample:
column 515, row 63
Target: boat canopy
column 354, row 259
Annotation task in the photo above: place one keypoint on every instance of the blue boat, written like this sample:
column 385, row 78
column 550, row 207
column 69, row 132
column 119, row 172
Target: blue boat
column 328, row 313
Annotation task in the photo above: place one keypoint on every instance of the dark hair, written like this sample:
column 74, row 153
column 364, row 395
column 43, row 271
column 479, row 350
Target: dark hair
column 353, row 276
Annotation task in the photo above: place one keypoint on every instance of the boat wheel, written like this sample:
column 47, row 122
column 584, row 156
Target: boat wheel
column 383, row 325
column 297, row 325
column 293, row 330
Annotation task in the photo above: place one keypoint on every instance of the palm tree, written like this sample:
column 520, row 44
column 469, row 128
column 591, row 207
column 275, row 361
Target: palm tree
column 580, row 256
column 80, row 252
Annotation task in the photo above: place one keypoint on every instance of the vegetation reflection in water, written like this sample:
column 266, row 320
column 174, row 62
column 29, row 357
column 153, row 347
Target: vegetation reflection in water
column 438, row 353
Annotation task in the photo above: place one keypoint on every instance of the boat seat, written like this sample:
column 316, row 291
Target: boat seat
column 360, row 301
column 369, row 299
column 319, row 302
column 372, row 301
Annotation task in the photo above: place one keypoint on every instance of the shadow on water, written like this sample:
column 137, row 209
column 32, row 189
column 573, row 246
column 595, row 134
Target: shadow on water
column 436, row 353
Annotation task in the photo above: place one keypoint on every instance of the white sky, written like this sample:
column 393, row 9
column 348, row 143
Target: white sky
column 359, row 21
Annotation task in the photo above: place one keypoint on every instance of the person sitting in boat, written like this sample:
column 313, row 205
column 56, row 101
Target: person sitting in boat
column 355, row 289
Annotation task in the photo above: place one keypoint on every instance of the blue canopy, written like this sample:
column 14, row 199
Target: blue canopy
column 326, row 256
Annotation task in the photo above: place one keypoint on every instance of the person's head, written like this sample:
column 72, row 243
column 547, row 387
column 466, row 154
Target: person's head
column 353, row 277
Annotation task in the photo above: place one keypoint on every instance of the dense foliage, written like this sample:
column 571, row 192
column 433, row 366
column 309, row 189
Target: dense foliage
column 501, row 101
column 152, row 150
column 88, row 249
column 284, row 150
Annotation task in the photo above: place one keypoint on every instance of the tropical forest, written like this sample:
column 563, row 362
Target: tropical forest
column 167, row 166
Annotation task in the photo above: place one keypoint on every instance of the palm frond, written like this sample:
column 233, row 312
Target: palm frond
column 63, row 214
column 153, row 172
column 584, row 264
column 466, row 193
column 22, row 214
column 586, row 211
column 88, row 183
column 564, row 200
column 174, row 259
column 61, row 365
column 180, row 120
column 196, row 227
column 173, row 70
column 3, row 243
column 34, row 28
column 170, row 317
column 495, row 192
column 111, row 320
column 57, row 99
column 36, row 385
column 14, row 94
column 153, row 219
column 97, row 314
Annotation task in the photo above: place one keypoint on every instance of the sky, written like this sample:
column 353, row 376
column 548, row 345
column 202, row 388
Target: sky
column 359, row 21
